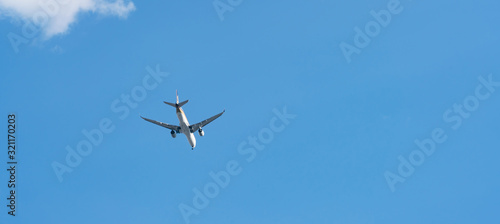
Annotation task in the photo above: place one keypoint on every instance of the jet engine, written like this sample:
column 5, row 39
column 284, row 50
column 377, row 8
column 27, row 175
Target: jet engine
column 173, row 133
column 200, row 131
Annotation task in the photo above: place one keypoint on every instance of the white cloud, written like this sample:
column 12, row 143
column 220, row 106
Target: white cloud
column 54, row 17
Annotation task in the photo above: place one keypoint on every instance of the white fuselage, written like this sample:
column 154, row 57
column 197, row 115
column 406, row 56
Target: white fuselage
column 184, row 124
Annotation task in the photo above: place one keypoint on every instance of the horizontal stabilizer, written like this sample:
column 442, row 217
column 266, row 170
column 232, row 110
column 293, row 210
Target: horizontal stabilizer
column 182, row 103
column 177, row 104
column 171, row 104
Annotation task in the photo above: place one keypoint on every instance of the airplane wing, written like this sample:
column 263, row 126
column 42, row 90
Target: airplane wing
column 169, row 126
column 199, row 125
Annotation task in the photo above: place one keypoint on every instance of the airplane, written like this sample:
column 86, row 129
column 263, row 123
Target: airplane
column 184, row 126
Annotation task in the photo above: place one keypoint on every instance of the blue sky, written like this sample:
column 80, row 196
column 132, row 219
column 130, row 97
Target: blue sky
column 353, row 120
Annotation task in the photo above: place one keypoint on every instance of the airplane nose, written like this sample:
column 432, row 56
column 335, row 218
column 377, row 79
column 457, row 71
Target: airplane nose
column 193, row 141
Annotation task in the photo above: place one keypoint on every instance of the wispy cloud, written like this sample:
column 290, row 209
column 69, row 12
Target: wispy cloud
column 53, row 17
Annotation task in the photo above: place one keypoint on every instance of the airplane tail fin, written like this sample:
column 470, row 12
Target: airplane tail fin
column 177, row 104
column 177, row 97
